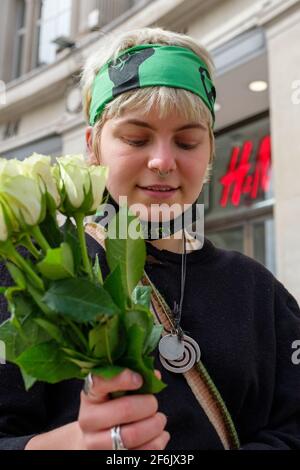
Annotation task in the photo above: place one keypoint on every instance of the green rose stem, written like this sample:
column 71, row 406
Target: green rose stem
column 27, row 243
column 38, row 298
column 12, row 254
column 81, row 236
column 107, row 347
column 36, row 232
column 78, row 332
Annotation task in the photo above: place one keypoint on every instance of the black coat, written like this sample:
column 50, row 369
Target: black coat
column 245, row 322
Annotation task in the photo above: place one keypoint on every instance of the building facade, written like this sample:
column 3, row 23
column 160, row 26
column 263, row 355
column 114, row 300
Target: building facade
column 253, row 200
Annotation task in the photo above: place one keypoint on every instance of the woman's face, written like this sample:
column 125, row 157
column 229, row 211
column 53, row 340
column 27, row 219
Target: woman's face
column 137, row 145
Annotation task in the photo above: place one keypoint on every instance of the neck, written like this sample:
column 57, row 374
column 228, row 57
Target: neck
column 172, row 244
column 169, row 244
column 175, row 245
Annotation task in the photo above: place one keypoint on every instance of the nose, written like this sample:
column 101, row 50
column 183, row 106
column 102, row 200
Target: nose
column 162, row 158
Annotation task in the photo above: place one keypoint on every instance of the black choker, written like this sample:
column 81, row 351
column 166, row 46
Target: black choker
column 151, row 230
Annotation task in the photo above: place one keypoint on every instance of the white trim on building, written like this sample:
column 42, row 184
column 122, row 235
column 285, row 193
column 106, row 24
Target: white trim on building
column 246, row 38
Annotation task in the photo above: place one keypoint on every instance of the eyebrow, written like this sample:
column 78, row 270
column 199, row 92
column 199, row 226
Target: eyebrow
column 137, row 122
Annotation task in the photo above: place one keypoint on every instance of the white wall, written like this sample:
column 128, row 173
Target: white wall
column 284, row 70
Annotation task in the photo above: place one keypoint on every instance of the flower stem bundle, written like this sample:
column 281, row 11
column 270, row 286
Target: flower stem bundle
column 66, row 321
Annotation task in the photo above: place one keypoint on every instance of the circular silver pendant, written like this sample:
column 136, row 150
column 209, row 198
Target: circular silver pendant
column 170, row 347
column 191, row 355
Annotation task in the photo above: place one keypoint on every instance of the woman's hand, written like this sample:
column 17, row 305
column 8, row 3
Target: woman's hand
column 142, row 426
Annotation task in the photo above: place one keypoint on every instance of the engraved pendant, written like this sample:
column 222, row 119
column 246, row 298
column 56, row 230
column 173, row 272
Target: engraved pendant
column 191, row 354
column 170, row 347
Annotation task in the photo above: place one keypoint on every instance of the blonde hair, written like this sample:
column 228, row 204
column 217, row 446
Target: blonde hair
column 168, row 99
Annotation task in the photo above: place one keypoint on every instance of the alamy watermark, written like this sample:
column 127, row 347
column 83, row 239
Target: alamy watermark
column 295, row 97
column 2, row 93
column 2, row 352
column 157, row 220
column 296, row 353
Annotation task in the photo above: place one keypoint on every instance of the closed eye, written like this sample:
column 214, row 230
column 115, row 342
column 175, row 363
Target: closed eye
column 140, row 143
column 135, row 143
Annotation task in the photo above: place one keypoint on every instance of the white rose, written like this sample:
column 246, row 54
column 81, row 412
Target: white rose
column 21, row 195
column 40, row 166
column 10, row 167
column 98, row 175
column 81, row 185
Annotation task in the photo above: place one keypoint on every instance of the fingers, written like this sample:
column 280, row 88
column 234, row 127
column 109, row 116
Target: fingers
column 98, row 388
column 143, row 431
column 142, row 427
column 159, row 443
column 127, row 409
column 132, row 435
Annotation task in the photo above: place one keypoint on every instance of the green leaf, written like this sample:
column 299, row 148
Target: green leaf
column 16, row 275
column 52, row 330
column 58, row 263
column 71, row 237
column 97, row 271
column 48, row 363
column 80, row 299
column 77, row 355
column 17, row 341
column 141, row 317
column 142, row 295
column 153, row 339
column 130, row 254
column 20, row 305
column 134, row 360
column 135, row 342
column 14, row 345
column 107, row 372
column 37, row 296
column 76, row 334
column 114, row 286
column 31, row 332
column 106, row 341
column 81, row 364
column 28, row 380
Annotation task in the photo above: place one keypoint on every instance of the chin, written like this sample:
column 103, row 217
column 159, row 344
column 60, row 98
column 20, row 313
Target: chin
column 159, row 212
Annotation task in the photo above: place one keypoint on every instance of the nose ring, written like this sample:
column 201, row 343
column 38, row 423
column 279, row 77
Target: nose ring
column 162, row 174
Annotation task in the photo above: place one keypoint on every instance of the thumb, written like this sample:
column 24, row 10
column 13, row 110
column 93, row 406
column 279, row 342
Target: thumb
column 97, row 389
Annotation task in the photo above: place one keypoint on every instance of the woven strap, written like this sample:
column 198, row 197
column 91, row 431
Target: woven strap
column 197, row 377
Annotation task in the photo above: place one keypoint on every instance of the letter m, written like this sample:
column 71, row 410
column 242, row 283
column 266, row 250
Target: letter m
column 2, row 353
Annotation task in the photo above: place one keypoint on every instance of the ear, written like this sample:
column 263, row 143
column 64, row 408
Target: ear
column 91, row 157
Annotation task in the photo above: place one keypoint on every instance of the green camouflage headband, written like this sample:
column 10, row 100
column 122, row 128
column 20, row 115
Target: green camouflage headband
column 152, row 65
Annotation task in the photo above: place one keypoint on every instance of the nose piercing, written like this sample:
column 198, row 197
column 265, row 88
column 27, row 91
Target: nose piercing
column 162, row 174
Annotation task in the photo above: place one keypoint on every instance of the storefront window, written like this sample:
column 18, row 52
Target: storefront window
column 54, row 21
column 242, row 173
column 229, row 239
column 239, row 198
column 19, row 39
column 264, row 242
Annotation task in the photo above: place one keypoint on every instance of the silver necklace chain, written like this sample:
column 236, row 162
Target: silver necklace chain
column 177, row 310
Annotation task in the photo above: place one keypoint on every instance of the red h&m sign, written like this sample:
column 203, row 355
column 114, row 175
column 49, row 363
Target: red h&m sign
column 238, row 178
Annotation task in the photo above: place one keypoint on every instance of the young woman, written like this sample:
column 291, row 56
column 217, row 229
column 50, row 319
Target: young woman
column 149, row 101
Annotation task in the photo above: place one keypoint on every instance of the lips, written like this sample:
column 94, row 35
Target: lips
column 159, row 194
column 159, row 187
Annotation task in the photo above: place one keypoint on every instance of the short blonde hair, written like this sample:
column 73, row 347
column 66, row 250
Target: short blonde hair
column 168, row 99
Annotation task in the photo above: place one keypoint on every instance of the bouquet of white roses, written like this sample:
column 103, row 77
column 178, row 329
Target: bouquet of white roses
column 65, row 320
